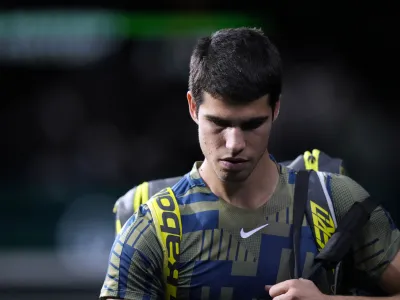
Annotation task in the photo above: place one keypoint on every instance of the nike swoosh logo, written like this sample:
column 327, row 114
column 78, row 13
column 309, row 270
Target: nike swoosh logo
column 245, row 235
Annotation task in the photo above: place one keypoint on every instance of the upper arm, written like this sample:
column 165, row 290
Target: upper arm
column 135, row 262
column 390, row 278
column 375, row 249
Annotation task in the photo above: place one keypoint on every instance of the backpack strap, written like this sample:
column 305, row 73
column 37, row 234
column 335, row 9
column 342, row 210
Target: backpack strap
column 141, row 195
column 333, row 240
column 157, row 185
column 167, row 220
column 129, row 203
column 146, row 190
column 312, row 199
column 350, row 226
column 320, row 213
column 125, row 207
column 341, row 241
column 299, row 205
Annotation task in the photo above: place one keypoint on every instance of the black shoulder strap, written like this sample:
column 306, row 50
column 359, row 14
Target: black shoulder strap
column 299, row 206
column 310, row 201
column 333, row 241
column 341, row 241
column 349, row 227
column 320, row 212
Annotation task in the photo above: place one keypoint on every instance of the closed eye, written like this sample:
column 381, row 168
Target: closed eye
column 246, row 125
column 222, row 123
column 219, row 122
column 253, row 124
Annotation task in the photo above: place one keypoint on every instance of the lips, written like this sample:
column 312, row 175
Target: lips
column 233, row 164
column 234, row 160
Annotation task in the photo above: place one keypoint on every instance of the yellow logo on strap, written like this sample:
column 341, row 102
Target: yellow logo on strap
column 323, row 224
column 167, row 220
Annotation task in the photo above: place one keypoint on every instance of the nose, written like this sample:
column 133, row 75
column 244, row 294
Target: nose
column 234, row 140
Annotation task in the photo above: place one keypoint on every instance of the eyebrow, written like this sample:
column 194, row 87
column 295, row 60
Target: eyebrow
column 238, row 122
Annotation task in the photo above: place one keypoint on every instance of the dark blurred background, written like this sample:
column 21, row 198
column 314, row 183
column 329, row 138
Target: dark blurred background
column 93, row 103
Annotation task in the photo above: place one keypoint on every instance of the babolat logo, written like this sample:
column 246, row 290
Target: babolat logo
column 169, row 222
column 323, row 224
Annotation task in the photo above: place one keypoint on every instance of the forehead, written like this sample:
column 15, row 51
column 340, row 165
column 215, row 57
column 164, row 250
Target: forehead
column 224, row 109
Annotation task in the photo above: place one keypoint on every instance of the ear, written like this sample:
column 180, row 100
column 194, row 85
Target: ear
column 192, row 106
column 277, row 108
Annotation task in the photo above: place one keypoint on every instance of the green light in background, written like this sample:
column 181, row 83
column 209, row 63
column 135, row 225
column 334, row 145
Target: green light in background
column 151, row 25
column 117, row 24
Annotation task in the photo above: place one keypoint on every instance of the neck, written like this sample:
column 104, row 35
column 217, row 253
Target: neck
column 252, row 193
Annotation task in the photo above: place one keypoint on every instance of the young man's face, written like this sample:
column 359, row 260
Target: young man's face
column 233, row 138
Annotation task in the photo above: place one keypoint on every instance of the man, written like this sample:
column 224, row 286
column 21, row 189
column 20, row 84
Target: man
column 236, row 206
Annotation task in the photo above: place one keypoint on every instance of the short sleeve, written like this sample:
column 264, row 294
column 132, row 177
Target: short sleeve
column 135, row 262
column 379, row 241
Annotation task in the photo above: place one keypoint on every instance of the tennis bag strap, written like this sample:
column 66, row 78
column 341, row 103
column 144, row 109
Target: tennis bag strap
column 299, row 205
column 148, row 189
column 339, row 245
column 167, row 220
column 312, row 201
column 128, row 204
column 333, row 240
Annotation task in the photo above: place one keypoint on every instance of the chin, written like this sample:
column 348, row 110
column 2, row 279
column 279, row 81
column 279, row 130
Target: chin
column 233, row 177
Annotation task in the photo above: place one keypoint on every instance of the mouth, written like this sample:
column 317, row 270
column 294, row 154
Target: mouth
column 234, row 160
column 233, row 163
